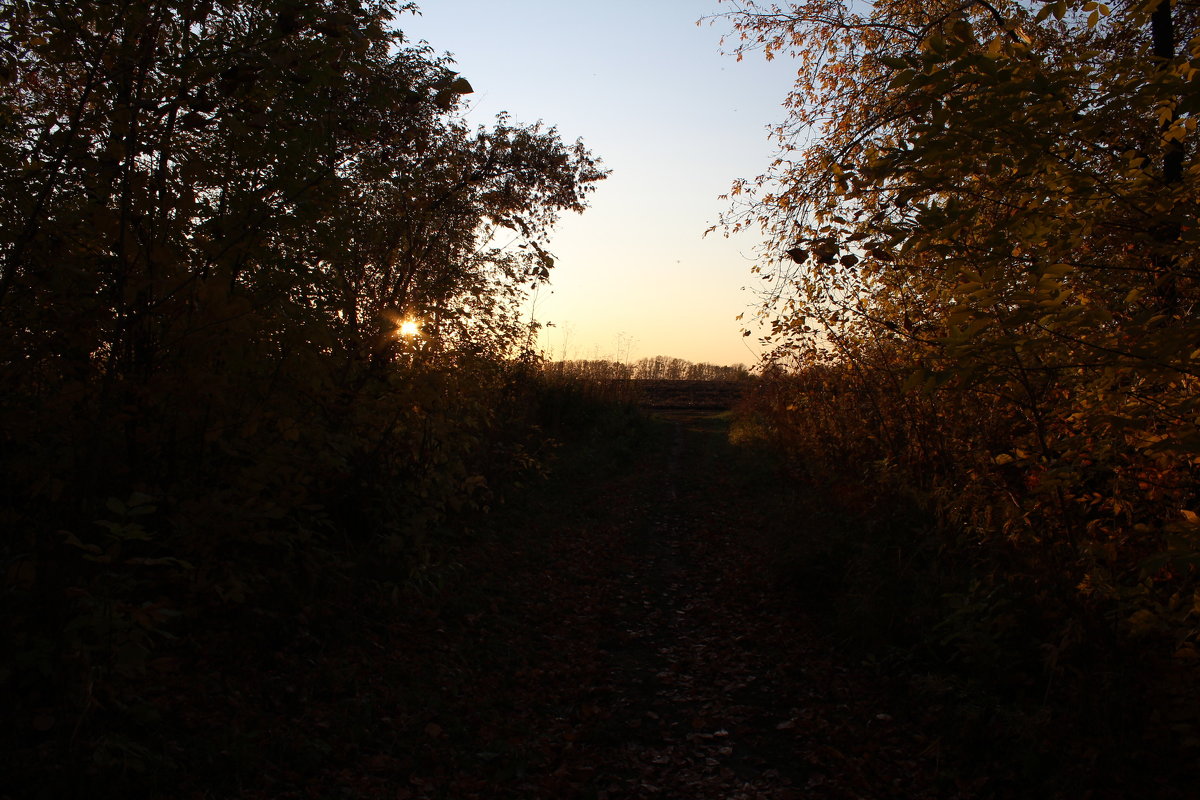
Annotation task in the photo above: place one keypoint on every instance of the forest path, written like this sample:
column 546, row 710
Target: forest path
column 625, row 633
column 715, row 694
column 630, row 642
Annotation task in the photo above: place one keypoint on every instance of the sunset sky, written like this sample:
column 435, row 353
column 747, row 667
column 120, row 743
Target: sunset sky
column 649, row 92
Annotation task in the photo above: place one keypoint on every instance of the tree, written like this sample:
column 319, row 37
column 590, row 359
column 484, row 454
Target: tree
column 213, row 218
column 193, row 188
column 983, row 219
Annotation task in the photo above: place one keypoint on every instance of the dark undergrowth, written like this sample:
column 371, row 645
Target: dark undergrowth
column 362, row 677
column 246, row 671
column 1084, row 716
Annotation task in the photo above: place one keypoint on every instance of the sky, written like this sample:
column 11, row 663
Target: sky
column 676, row 122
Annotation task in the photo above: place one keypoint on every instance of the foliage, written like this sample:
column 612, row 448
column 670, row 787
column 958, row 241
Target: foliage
column 213, row 218
column 982, row 228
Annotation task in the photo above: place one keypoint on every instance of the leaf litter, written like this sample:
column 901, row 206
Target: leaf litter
column 623, row 642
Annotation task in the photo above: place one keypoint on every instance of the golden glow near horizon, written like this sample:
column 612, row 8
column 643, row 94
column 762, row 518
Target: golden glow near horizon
column 409, row 328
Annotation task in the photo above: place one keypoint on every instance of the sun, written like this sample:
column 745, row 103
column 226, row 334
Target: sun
column 409, row 328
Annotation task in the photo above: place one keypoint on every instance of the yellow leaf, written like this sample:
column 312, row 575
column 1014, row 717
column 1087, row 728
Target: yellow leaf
column 1142, row 621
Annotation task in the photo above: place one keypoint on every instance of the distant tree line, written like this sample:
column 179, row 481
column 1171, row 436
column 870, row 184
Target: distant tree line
column 656, row 368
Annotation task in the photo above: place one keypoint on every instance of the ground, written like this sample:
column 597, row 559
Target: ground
column 665, row 616
column 638, row 625
column 632, row 640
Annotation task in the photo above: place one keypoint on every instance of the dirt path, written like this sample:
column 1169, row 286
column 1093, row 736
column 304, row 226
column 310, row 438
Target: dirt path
column 720, row 688
column 632, row 646
column 625, row 638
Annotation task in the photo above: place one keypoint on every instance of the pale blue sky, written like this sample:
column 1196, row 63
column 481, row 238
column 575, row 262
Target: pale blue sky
column 676, row 122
